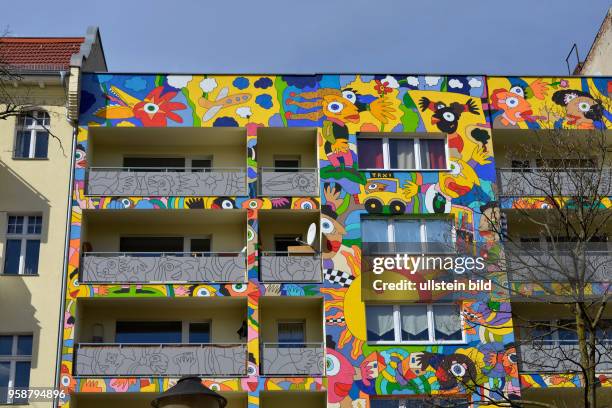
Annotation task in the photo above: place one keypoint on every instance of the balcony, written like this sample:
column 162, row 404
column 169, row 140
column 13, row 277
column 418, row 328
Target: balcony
column 292, row 336
column 284, row 256
column 160, row 360
column 285, row 359
column 166, row 181
column 135, row 267
column 288, row 181
column 161, row 162
column 557, row 356
column 168, row 337
column 288, row 160
column 162, row 246
column 539, row 182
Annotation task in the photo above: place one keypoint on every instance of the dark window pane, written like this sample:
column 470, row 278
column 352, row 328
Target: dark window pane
column 11, row 256
column 380, row 324
column 24, row 345
column 42, row 144
column 22, row 144
column 286, row 165
column 15, row 224
column 34, row 224
column 151, row 244
column 22, row 375
column 32, row 255
column 401, row 152
column 291, row 333
column 370, row 153
column 148, row 332
column 153, row 163
column 201, row 165
column 199, row 332
column 433, row 154
column 6, row 345
column 5, row 371
column 200, row 245
column 281, row 244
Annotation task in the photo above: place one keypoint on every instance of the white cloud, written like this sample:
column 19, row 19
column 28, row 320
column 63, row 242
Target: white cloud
column 244, row 112
column 455, row 83
column 412, row 81
column 475, row 83
column 179, row 81
column 208, row 84
column 432, row 80
column 392, row 82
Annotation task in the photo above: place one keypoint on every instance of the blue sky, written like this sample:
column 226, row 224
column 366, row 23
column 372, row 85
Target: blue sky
column 275, row 36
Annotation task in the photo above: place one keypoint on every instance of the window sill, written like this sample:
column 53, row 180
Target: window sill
column 30, row 158
column 417, row 343
column 19, row 275
column 406, row 170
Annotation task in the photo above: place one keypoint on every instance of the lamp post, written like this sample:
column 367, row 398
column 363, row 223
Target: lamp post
column 189, row 392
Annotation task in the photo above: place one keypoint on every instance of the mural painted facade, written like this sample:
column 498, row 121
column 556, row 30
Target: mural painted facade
column 340, row 107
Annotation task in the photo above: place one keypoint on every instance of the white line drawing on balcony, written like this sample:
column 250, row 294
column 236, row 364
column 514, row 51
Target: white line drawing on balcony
column 282, row 267
column 291, row 182
column 293, row 359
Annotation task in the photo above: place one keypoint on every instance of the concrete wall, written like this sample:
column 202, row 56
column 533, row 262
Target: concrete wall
column 31, row 304
column 274, row 310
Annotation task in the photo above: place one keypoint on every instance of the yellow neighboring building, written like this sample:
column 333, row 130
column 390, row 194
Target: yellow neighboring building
column 36, row 149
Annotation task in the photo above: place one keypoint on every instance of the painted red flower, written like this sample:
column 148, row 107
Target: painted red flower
column 156, row 108
column 382, row 87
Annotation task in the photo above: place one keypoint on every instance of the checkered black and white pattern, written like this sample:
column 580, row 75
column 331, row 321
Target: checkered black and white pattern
column 335, row 276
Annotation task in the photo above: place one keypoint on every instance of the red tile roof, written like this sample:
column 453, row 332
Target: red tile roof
column 42, row 53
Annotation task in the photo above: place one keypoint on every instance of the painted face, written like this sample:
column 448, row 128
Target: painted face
column 584, row 107
column 513, row 103
column 340, row 374
column 341, row 108
column 373, row 187
column 332, row 232
column 459, row 181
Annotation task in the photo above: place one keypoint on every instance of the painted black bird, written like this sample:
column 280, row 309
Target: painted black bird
column 446, row 118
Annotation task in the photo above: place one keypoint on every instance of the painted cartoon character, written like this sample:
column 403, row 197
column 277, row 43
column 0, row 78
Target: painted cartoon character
column 514, row 103
column 338, row 108
column 446, row 118
column 582, row 110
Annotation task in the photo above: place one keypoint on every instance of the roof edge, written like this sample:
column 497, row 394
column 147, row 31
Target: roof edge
column 92, row 37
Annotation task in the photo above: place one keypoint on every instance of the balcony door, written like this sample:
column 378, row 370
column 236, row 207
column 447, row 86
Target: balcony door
column 291, row 334
column 286, row 164
column 151, row 245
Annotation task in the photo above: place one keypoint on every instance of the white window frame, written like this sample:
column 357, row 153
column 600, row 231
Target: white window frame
column 397, row 325
column 417, row 152
column 422, row 226
column 13, row 359
column 24, row 237
column 34, row 128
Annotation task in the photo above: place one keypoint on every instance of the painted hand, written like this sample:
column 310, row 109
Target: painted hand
column 410, row 190
column 382, row 110
column 340, row 146
column 480, row 156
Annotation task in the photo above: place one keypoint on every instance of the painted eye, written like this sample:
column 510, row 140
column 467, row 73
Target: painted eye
column 440, row 106
column 251, row 370
column 151, row 107
column 239, row 287
column 227, row 204
column 253, row 204
column 584, row 106
column 517, row 90
column 75, row 283
column 332, row 365
column 306, row 205
column 335, row 107
column 202, row 292
column 449, row 117
column 215, row 387
column 512, row 358
column 512, row 102
column 327, row 227
column 457, row 370
column 569, row 97
column 79, row 155
column 65, row 380
column 545, row 205
column 373, row 186
column 349, row 96
column 126, row 202
column 250, row 235
column 455, row 168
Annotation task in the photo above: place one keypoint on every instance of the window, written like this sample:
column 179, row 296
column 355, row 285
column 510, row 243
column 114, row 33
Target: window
column 520, row 166
column 32, row 138
column 415, row 323
column 407, row 235
column 200, row 246
column 151, row 164
column 15, row 362
column 419, row 402
column 151, row 245
column 148, row 332
column 22, row 244
column 394, row 153
column 283, row 242
column 291, row 334
column 201, row 165
column 199, row 332
column 286, row 164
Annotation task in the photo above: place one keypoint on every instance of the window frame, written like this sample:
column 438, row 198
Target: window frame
column 417, row 151
column 397, row 325
column 186, row 330
column 34, row 128
column 13, row 359
column 24, row 237
column 302, row 322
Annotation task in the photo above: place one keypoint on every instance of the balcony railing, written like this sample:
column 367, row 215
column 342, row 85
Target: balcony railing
column 278, row 266
column 556, row 356
column 167, row 267
column 166, row 181
column 286, row 359
column 286, row 181
column 519, row 182
column 161, row 360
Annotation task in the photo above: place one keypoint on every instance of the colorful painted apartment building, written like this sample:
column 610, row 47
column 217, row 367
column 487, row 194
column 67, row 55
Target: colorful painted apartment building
column 193, row 250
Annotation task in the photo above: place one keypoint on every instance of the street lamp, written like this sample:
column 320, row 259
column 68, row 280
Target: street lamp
column 189, row 392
